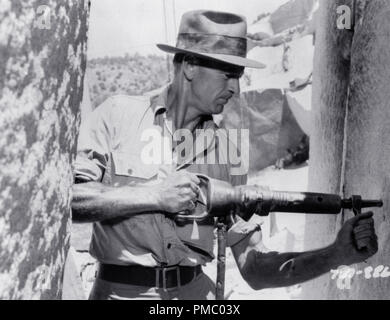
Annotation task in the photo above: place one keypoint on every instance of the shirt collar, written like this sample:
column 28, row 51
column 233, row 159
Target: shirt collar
column 159, row 106
column 159, row 102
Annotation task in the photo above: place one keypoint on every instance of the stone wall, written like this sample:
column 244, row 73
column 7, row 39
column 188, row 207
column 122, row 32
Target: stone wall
column 350, row 146
column 42, row 64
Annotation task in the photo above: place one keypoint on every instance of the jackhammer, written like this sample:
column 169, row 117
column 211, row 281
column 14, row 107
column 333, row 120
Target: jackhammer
column 221, row 199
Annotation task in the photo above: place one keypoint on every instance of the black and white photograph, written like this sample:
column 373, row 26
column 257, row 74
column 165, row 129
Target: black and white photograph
column 200, row 150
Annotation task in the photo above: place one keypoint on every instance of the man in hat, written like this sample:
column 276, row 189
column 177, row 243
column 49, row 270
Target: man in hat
column 132, row 179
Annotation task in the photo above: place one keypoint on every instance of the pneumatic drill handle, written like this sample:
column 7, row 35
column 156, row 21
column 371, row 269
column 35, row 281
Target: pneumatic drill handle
column 356, row 203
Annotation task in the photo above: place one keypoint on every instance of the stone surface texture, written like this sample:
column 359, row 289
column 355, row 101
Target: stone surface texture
column 42, row 63
column 350, row 145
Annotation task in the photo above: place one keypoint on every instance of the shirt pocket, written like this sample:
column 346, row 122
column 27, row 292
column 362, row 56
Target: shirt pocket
column 131, row 166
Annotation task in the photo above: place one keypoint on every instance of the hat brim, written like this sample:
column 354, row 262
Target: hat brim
column 235, row 60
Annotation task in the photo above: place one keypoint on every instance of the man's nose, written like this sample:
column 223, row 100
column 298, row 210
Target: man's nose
column 234, row 85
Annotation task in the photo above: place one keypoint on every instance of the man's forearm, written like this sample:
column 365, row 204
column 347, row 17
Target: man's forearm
column 273, row 269
column 94, row 201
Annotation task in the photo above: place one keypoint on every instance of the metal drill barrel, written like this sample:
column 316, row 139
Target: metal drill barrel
column 301, row 202
column 347, row 203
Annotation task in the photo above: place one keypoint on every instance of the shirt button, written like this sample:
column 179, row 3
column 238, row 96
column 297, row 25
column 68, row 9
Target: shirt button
column 130, row 171
column 169, row 245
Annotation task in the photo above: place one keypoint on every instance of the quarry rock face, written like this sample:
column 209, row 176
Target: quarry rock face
column 42, row 64
column 350, row 148
column 276, row 113
column 290, row 14
column 272, row 125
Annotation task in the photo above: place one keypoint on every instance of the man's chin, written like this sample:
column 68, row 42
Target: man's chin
column 219, row 109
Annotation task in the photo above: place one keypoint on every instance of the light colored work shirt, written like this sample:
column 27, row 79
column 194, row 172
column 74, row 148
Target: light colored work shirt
column 112, row 150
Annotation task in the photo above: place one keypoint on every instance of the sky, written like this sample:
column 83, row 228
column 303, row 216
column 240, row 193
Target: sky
column 117, row 27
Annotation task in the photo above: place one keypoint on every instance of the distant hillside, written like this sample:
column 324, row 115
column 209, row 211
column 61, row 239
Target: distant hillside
column 130, row 74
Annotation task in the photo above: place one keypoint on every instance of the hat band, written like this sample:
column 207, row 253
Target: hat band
column 212, row 43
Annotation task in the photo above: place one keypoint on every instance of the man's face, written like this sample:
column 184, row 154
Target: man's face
column 213, row 85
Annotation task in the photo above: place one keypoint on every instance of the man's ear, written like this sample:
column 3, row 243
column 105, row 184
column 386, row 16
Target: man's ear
column 189, row 70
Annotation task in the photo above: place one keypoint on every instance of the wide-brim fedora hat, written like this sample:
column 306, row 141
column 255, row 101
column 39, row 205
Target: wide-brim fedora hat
column 214, row 35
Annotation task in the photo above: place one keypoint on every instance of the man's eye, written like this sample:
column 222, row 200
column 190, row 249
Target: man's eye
column 232, row 75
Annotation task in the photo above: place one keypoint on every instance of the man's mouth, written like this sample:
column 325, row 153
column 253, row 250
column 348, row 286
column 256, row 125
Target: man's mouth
column 226, row 99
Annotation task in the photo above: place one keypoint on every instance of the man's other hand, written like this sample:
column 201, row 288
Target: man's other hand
column 178, row 192
column 357, row 229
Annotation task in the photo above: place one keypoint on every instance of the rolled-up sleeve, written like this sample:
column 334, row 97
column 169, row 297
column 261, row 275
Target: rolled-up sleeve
column 240, row 230
column 94, row 145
